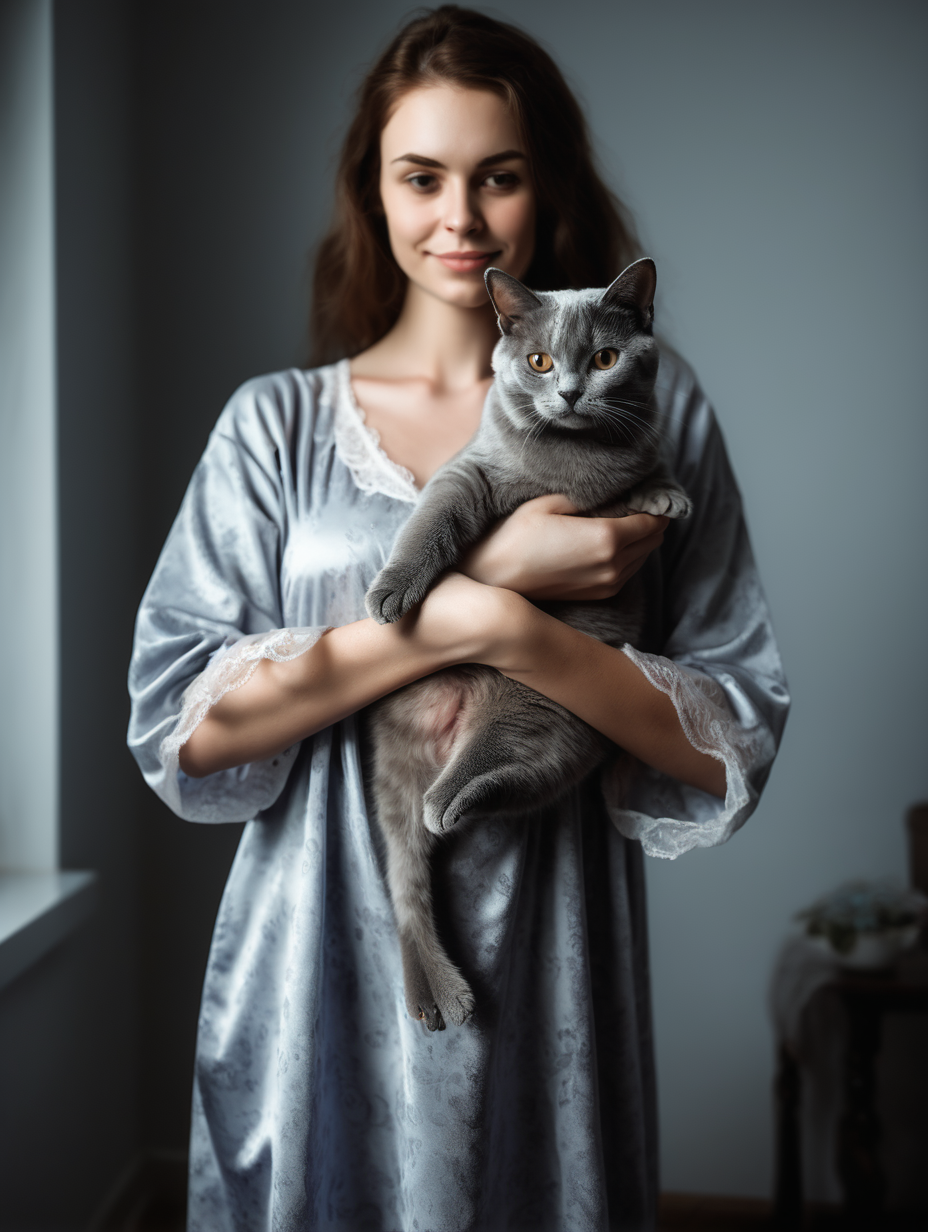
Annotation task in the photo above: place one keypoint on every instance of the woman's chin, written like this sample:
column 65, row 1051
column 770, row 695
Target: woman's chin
column 463, row 291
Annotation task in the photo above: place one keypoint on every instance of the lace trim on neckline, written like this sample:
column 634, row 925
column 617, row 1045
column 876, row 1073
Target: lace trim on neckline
column 358, row 446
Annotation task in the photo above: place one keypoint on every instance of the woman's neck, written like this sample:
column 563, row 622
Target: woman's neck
column 446, row 345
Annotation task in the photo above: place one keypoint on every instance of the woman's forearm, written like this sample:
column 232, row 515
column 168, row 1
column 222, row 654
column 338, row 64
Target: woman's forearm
column 284, row 702
column 460, row 621
column 603, row 687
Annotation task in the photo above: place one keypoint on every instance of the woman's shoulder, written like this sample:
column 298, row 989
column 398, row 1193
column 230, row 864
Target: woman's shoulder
column 689, row 419
column 677, row 382
column 279, row 405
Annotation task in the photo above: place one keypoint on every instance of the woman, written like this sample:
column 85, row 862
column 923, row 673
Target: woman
column 318, row 1103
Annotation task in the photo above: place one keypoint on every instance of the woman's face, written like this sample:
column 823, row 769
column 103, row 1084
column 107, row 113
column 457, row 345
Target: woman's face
column 456, row 191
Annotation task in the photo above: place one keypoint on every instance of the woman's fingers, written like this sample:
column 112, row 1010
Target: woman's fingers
column 634, row 538
column 555, row 503
column 638, row 526
column 543, row 551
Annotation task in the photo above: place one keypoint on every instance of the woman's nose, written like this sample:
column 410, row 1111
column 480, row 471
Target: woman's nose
column 461, row 214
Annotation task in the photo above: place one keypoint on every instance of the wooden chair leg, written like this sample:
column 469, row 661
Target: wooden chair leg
column 788, row 1201
column 859, row 1167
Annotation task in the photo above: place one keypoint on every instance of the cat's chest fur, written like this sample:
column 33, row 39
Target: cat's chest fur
column 588, row 471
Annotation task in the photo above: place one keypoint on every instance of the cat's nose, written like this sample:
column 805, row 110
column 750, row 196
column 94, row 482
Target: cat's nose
column 570, row 396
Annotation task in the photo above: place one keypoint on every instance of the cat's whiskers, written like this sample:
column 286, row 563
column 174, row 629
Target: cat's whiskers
column 624, row 402
column 629, row 402
column 536, row 427
column 617, row 420
column 662, row 417
column 620, row 404
column 621, row 416
column 534, row 432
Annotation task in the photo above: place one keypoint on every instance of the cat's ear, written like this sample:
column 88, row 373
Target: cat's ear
column 510, row 298
column 634, row 288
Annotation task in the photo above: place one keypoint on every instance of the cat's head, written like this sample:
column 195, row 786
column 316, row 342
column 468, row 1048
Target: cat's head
column 578, row 360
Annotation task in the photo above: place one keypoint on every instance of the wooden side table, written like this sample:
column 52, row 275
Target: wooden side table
column 866, row 998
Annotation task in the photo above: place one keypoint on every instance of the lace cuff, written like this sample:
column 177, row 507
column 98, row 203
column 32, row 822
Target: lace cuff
column 694, row 818
column 229, row 667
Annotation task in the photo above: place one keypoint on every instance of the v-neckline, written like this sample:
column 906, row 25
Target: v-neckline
column 360, row 448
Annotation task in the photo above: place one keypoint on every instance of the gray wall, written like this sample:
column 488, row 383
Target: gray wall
column 780, row 180
column 779, row 175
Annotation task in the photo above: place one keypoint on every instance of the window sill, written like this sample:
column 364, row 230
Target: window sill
column 37, row 911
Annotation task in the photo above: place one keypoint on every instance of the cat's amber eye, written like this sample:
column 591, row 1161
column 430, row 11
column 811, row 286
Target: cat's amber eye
column 606, row 358
column 541, row 362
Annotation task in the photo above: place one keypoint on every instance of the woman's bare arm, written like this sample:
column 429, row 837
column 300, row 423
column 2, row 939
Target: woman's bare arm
column 459, row 622
column 603, row 687
column 543, row 551
column 540, row 549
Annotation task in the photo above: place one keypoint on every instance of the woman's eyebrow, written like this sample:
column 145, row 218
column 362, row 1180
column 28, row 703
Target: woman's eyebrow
column 420, row 160
column 504, row 157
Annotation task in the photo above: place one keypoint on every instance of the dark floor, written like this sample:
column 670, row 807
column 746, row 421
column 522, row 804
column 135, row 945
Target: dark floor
column 704, row 1213
column 697, row 1212
column 679, row 1213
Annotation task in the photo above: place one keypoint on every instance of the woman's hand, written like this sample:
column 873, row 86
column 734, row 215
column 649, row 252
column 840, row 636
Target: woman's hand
column 544, row 551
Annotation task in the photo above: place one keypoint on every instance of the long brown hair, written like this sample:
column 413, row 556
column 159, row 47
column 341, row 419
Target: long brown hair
column 583, row 234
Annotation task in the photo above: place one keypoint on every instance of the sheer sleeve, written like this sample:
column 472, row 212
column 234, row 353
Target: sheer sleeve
column 719, row 661
column 212, row 610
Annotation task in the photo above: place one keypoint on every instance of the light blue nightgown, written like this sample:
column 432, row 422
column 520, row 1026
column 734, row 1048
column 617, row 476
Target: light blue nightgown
column 318, row 1103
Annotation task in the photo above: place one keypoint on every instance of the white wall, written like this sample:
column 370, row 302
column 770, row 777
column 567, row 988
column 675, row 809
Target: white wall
column 28, row 504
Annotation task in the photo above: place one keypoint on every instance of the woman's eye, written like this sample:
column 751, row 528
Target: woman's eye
column 501, row 179
column 541, row 362
column 422, row 181
column 605, row 358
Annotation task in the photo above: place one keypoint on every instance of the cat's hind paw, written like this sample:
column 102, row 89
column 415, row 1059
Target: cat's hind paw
column 428, row 1013
column 444, row 805
column 454, row 997
column 440, row 816
column 392, row 594
column 452, row 1001
column 420, row 1001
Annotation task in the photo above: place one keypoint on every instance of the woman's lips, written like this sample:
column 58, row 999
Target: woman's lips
column 464, row 262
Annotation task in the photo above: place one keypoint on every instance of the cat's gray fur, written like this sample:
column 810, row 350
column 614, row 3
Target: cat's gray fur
column 469, row 741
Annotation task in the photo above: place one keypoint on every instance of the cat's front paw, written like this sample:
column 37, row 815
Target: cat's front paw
column 664, row 502
column 393, row 593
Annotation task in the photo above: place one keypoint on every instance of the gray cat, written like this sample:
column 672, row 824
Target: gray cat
column 571, row 411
